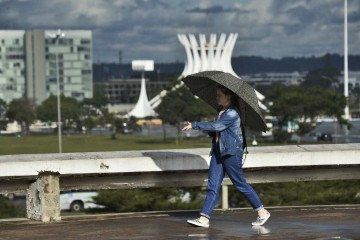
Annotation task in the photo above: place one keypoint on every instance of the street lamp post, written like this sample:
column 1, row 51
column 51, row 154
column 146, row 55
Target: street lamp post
column 346, row 73
column 56, row 38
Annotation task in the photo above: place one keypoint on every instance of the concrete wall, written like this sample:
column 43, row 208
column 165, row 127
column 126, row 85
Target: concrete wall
column 29, row 165
column 43, row 176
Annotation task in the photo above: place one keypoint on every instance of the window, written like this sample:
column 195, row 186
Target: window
column 85, row 41
column 85, row 71
column 77, row 94
column 14, row 57
column 83, row 49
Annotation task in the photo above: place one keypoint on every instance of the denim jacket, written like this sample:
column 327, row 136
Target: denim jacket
column 228, row 127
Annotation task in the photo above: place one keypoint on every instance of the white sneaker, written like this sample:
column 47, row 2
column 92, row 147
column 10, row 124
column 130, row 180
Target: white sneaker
column 260, row 221
column 198, row 223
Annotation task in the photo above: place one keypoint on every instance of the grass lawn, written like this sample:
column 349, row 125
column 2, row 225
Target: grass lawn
column 93, row 143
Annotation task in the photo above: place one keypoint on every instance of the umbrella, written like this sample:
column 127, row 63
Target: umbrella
column 205, row 84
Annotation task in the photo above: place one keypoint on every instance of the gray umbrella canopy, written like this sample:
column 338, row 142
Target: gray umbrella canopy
column 205, row 84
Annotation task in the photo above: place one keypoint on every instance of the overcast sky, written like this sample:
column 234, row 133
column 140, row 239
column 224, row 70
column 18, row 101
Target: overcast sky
column 147, row 29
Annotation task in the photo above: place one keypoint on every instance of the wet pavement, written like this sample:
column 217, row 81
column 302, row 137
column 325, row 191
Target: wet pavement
column 330, row 222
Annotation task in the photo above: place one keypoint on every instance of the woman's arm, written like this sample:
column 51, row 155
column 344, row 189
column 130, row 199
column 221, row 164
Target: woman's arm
column 224, row 122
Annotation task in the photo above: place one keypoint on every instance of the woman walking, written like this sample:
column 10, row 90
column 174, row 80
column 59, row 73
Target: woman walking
column 226, row 156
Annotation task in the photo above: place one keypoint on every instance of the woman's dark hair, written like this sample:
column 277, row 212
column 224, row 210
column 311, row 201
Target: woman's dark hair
column 233, row 99
column 235, row 102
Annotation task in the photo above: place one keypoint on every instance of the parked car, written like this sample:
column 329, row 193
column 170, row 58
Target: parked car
column 78, row 201
column 325, row 137
column 12, row 196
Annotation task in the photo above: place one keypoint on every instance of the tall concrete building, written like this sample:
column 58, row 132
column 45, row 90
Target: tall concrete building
column 12, row 65
column 35, row 66
column 28, row 64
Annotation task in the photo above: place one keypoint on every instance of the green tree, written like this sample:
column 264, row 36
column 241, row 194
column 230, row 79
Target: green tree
column 70, row 110
column 305, row 105
column 301, row 193
column 282, row 104
column 3, row 112
column 94, row 111
column 153, row 199
column 181, row 105
column 22, row 110
column 325, row 77
column 99, row 99
column 9, row 210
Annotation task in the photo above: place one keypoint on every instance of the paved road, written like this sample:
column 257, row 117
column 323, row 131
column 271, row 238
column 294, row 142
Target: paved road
column 285, row 223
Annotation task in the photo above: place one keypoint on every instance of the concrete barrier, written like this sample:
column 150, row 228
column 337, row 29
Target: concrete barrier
column 43, row 176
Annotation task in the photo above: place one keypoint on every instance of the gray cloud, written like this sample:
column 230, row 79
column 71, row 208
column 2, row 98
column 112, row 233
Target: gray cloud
column 148, row 28
column 215, row 9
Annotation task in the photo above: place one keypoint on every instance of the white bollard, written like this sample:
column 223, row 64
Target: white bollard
column 225, row 197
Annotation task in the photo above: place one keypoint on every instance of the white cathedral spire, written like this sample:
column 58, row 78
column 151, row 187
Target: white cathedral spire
column 142, row 108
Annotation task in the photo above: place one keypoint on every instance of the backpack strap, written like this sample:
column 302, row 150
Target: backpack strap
column 244, row 138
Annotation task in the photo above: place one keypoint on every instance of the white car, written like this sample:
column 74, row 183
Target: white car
column 78, row 201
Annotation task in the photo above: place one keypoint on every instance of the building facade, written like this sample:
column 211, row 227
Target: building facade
column 128, row 90
column 12, row 65
column 354, row 79
column 28, row 64
column 287, row 79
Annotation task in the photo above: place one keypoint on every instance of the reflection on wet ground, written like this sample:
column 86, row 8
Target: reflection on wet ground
column 336, row 222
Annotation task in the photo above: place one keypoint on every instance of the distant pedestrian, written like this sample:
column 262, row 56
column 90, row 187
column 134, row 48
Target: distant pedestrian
column 226, row 156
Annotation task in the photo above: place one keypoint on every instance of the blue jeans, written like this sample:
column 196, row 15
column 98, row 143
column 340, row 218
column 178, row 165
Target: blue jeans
column 232, row 165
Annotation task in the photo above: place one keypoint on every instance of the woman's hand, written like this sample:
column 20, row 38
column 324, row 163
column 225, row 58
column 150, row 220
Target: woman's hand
column 187, row 126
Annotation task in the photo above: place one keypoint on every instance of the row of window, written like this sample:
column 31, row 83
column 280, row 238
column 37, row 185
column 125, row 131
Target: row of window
column 122, row 86
column 14, row 72
column 61, row 87
column 122, row 92
column 79, row 49
column 61, row 72
column 52, row 56
column 15, row 57
column 122, row 99
column 66, row 41
column 15, row 41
